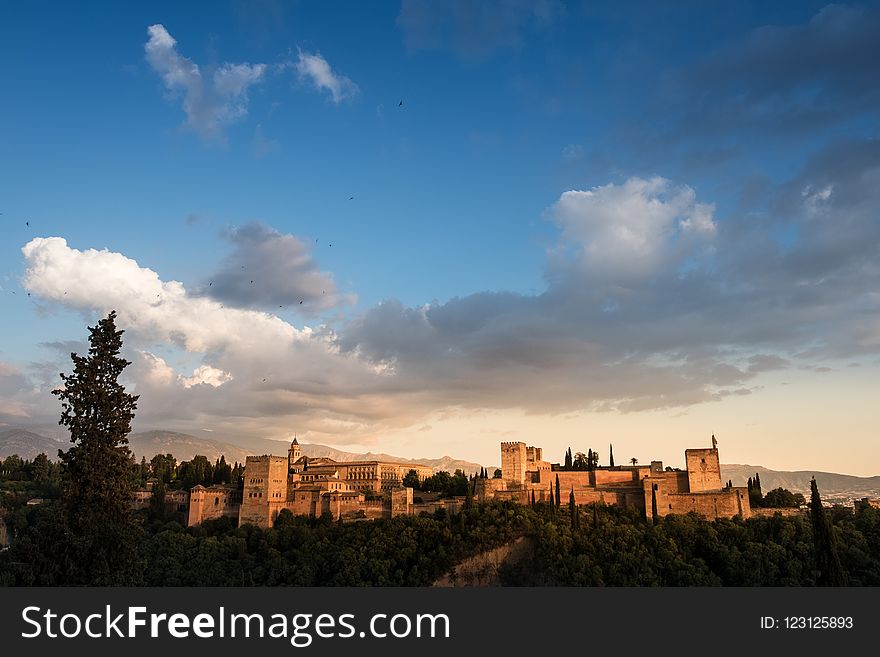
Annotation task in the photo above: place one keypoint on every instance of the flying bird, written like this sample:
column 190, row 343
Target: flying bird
column 400, row 104
column 300, row 303
column 351, row 198
column 27, row 223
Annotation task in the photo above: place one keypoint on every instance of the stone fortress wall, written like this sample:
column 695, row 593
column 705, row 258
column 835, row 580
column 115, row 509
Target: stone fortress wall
column 525, row 476
column 373, row 489
column 309, row 487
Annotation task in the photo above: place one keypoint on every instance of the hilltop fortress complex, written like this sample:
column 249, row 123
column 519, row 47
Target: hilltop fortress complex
column 374, row 489
column 655, row 491
column 307, row 486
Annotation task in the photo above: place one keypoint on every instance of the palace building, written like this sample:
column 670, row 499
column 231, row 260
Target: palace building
column 304, row 486
column 653, row 489
column 374, row 489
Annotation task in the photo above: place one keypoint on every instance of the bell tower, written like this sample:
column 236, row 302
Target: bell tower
column 294, row 453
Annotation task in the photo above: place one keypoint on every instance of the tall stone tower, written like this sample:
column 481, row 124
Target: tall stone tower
column 265, row 489
column 513, row 462
column 293, row 453
column 703, row 469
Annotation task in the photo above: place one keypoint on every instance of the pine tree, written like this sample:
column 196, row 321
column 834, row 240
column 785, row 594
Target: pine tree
column 96, row 471
column 572, row 508
column 558, row 499
column 157, row 501
column 831, row 571
column 611, row 455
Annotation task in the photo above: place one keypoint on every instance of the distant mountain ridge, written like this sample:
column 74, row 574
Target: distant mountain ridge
column 27, row 444
column 829, row 483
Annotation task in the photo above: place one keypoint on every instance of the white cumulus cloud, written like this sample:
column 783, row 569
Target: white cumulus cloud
column 211, row 102
column 631, row 230
column 314, row 68
column 258, row 372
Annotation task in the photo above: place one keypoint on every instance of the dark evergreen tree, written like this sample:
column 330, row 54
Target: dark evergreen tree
column 410, row 479
column 157, row 501
column 572, row 508
column 611, row 455
column 654, row 503
column 590, row 460
column 96, row 471
column 558, row 498
column 831, row 571
column 40, row 468
column 533, row 498
column 568, row 459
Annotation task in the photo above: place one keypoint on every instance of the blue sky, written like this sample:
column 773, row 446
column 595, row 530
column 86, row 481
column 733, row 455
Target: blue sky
column 629, row 216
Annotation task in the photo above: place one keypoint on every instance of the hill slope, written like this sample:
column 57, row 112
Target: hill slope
column 27, row 444
column 829, row 483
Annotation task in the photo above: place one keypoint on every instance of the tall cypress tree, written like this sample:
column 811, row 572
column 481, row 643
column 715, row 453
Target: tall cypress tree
column 558, row 498
column 831, row 571
column 611, row 455
column 590, row 459
column 654, row 504
column 568, row 458
column 97, row 470
column 572, row 508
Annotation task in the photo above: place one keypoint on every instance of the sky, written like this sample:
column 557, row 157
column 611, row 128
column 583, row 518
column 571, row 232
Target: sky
column 424, row 228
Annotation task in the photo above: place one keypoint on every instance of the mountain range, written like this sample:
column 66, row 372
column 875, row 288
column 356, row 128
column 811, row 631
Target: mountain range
column 27, row 442
column 830, row 484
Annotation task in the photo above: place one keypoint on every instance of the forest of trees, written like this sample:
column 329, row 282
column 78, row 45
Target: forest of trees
column 603, row 546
